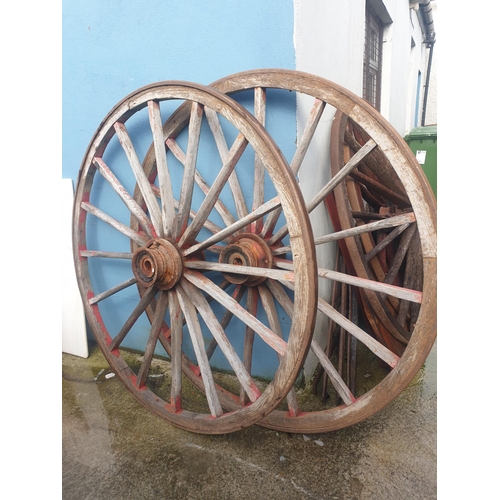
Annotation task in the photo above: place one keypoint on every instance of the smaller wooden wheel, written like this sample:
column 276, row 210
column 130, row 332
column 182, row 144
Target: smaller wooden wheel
column 392, row 255
column 165, row 261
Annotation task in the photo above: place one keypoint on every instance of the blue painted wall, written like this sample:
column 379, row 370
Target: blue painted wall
column 111, row 48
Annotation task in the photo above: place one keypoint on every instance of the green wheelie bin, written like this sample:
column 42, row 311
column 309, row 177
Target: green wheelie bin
column 423, row 143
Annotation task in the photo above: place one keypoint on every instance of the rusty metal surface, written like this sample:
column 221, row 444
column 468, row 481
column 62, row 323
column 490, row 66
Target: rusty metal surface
column 159, row 263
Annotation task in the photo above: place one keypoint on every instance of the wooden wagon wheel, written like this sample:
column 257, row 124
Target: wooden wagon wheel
column 164, row 258
column 385, row 141
column 373, row 192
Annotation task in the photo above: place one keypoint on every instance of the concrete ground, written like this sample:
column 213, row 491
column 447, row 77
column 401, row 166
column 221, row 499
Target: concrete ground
column 113, row 448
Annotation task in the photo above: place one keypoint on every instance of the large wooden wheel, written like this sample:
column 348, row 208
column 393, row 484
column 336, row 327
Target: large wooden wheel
column 258, row 90
column 163, row 270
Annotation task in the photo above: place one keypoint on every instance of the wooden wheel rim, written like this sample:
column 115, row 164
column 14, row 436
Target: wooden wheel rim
column 295, row 349
column 424, row 205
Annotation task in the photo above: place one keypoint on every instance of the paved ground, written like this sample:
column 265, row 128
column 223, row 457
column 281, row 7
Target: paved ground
column 113, row 448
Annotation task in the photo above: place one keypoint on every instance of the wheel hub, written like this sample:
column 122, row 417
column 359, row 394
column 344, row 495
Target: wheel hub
column 158, row 263
column 246, row 250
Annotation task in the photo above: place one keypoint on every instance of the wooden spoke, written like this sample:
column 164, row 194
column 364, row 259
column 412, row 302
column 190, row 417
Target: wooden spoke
column 142, row 181
column 386, row 241
column 398, row 220
column 400, row 255
column 272, row 316
column 243, row 270
column 156, row 326
column 164, row 181
column 232, row 158
column 228, row 315
column 252, row 298
column 259, row 171
column 131, row 204
column 106, row 255
column 196, row 335
column 309, row 130
column 131, row 320
column 225, row 214
column 213, row 228
column 337, row 382
column 344, row 172
column 378, row 163
column 377, row 187
column 111, row 291
column 225, row 154
column 376, row 347
column 133, row 235
column 176, row 324
column 260, row 105
column 189, row 167
column 268, row 336
column 233, row 228
column 281, row 296
column 218, row 332
column 328, row 188
column 394, row 291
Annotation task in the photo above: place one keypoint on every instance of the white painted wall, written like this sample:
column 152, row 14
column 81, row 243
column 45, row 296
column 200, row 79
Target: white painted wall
column 74, row 329
column 396, row 76
column 416, row 63
column 329, row 42
column 431, row 113
column 419, row 61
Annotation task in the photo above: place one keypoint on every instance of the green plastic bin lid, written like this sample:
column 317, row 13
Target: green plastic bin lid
column 422, row 132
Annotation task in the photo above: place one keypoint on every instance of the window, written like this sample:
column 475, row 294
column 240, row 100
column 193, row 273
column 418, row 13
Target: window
column 372, row 70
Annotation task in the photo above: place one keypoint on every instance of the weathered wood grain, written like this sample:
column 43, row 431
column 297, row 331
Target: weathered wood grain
column 142, row 181
column 164, row 181
column 196, row 335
